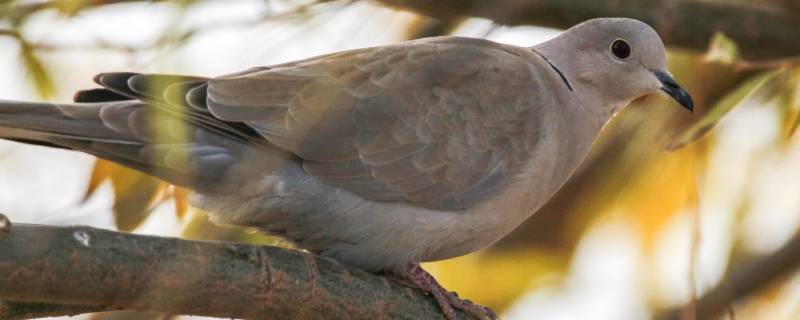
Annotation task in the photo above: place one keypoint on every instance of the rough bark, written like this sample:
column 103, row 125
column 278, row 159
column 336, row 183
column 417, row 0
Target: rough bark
column 47, row 270
column 762, row 33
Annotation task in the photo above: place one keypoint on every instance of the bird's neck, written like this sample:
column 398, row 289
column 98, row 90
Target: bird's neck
column 589, row 112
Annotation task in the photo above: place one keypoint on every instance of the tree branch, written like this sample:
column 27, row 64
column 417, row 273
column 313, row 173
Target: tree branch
column 745, row 279
column 24, row 310
column 762, row 33
column 68, row 270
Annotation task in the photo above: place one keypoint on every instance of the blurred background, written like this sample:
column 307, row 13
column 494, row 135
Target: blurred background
column 667, row 207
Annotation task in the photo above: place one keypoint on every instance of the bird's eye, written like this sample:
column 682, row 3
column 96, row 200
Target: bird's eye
column 621, row 49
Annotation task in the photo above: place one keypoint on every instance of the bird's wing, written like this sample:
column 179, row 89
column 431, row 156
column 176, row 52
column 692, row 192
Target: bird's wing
column 439, row 123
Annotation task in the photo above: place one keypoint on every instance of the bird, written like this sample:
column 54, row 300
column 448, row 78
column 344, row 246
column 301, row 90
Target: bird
column 380, row 158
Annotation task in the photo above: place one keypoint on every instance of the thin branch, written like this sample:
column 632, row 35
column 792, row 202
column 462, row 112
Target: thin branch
column 744, row 280
column 761, row 33
column 9, row 33
column 70, row 269
column 23, row 310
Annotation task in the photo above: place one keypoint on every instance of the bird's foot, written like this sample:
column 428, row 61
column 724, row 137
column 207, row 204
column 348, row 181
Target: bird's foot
column 448, row 301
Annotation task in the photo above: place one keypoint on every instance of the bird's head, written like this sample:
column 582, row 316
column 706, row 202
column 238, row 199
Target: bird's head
column 614, row 60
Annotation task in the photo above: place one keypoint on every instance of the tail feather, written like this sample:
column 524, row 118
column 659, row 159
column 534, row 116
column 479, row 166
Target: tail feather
column 71, row 121
column 126, row 132
column 155, row 123
column 98, row 95
column 27, row 137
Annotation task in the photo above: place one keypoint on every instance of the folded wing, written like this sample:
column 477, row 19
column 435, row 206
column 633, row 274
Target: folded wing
column 439, row 123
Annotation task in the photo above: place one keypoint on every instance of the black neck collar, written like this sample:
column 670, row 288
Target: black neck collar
column 563, row 78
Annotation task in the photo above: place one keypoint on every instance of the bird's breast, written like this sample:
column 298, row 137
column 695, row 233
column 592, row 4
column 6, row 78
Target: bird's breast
column 548, row 167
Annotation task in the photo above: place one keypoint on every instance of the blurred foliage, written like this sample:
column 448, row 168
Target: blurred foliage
column 721, row 108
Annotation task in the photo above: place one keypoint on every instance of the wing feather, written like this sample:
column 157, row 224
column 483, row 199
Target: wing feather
column 440, row 123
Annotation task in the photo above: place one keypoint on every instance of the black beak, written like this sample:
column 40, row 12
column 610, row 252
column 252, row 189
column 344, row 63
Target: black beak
column 670, row 87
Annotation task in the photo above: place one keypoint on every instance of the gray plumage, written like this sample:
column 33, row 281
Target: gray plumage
column 377, row 157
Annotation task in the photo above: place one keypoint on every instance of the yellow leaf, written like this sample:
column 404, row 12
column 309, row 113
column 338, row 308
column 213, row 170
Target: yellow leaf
column 665, row 188
column 134, row 194
column 41, row 78
column 498, row 278
column 181, row 197
column 103, row 169
column 792, row 103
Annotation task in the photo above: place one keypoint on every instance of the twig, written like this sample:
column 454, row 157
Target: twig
column 23, row 310
column 9, row 33
column 744, row 280
column 690, row 310
column 767, row 64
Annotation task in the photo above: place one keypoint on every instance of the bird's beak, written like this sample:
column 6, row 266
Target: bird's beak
column 674, row 90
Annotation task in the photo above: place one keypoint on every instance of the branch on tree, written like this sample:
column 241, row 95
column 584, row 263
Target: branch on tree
column 761, row 32
column 24, row 310
column 745, row 279
column 46, row 270
column 9, row 33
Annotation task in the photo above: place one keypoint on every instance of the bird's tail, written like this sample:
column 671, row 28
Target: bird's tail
column 77, row 126
column 42, row 123
column 158, row 124
column 128, row 132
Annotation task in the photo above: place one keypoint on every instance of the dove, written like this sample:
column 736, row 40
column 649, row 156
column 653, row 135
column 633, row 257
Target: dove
column 380, row 158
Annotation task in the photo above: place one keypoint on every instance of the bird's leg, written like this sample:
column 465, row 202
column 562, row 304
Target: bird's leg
column 447, row 300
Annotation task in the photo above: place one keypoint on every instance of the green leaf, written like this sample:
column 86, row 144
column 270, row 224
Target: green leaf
column 722, row 107
column 41, row 78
